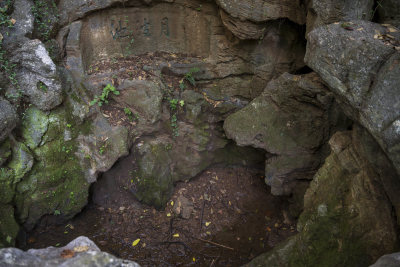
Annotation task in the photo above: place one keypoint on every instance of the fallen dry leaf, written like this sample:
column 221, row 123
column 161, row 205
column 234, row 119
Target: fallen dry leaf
column 67, row 253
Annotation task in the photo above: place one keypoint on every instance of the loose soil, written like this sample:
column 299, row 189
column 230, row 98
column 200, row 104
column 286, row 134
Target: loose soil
column 232, row 219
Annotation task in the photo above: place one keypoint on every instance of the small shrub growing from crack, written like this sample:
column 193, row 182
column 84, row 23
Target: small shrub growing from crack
column 188, row 77
column 103, row 98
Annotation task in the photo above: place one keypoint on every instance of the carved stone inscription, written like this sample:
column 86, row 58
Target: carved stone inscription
column 125, row 31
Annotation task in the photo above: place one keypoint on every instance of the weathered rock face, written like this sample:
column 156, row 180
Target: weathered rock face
column 292, row 119
column 324, row 12
column 136, row 30
column 68, row 157
column 79, row 252
column 347, row 218
column 8, row 118
column 361, row 66
column 37, row 75
column 261, row 10
column 390, row 260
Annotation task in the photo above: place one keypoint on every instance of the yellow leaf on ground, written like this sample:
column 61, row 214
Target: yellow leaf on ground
column 176, row 235
column 194, row 259
column 208, row 223
column 134, row 243
column 168, row 214
column 172, row 203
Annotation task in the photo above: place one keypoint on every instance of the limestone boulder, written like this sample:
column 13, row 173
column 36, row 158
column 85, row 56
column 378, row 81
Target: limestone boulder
column 69, row 154
column 261, row 10
column 389, row 260
column 347, row 218
column 143, row 96
column 292, row 119
column 324, row 12
column 360, row 64
column 37, row 74
column 243, row 29
column 24, row 22
column 84, row 253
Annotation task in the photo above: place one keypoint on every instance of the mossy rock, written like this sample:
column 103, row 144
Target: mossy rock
column 56, row 181
column 21, row 162
column 7, row 185
column 8, row 226
column 153, row 179
column 347, row 218
column 5, row 151
column 34, row 126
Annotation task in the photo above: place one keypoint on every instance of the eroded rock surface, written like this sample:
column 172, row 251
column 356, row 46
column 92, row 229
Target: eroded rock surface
column 37, row 75
column 324, row 12
column 260, row 10
column 347, row 218
column 8, row 118
column 361, row 66
column 79, row 252
column 292, row 120
column 390, row 260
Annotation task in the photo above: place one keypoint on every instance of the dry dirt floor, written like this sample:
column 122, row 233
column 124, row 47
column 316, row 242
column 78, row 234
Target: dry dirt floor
column 223, row 217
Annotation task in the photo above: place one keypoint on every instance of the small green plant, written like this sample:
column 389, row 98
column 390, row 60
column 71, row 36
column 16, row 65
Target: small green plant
column 174, row 125
column 103, row 98
column 168, row 146
column 46, row 14
column 57, row 212
column 102, row 149
column 128, row 113
column 173, row 103
column 188, row 77
column 42, row 86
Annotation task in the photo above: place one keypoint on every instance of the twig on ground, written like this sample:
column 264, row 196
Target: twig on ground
column 215, row 244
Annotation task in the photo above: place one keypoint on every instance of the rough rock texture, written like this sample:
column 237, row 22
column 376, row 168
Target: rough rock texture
column 361, row 67
column 8, row 118
column 390, row 260
column 79, row 252
column 292, row 119
column 389, row 12
column 347, row 218
column 8, row 225
column 37, row 75
column 323, row 12
column 69, row 155
column 280, row 49
column 24, row 19
column 144, row 96
column 242, row 29
column 260, row 10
